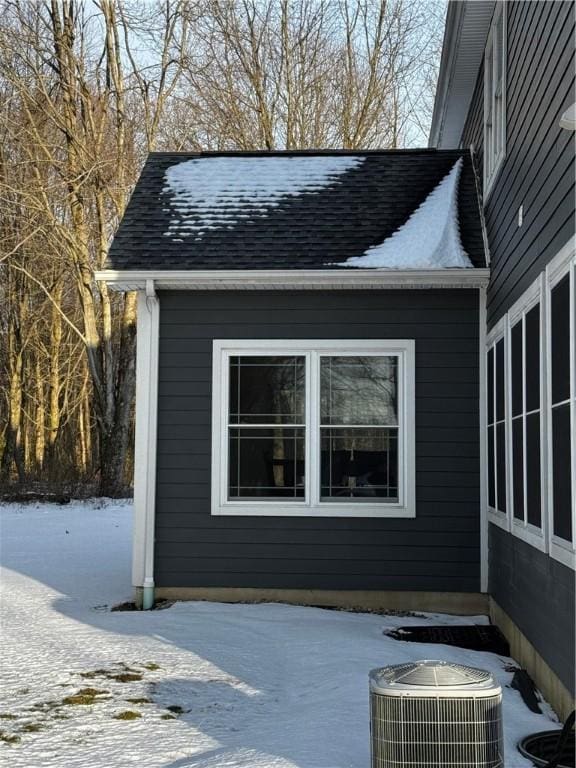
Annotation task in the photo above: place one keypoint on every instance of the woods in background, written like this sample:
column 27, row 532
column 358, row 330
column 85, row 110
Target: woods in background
column 87, row 89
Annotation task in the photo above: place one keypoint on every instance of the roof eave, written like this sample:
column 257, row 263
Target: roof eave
column 465, row 33
column 301, row 279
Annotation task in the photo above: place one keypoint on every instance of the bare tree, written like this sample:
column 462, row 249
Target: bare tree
column 87, row 89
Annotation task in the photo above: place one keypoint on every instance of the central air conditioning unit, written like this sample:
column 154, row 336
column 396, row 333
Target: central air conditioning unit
column 433, row 713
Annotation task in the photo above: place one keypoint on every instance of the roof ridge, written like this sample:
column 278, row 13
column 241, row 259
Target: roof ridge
column 308, row 152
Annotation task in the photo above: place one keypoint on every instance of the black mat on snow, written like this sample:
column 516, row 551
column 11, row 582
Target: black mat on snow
column 473, row 637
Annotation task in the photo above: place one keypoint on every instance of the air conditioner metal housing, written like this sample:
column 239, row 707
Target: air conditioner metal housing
column 434, row 713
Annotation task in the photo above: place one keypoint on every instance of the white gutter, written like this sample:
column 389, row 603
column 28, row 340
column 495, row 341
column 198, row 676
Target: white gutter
column 303, row 279
column 147, row 342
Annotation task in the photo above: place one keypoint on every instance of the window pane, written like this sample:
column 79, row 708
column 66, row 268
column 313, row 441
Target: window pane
column 518, row 467
column 560, row 334
column 533, row 470
column 358, row 390
column 266, row 463
column 500, row 380
column 267, row 390
column 533, row 359
column 359, row 463
column 516, row 353
column 490, row 384
column 491, row 465
column 561, row 482
column 501, row 466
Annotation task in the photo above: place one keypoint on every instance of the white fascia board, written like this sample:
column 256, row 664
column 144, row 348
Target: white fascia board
column 466, row 30
column 304, row 279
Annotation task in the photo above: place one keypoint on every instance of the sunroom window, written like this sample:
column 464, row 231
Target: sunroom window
column 526, row 416
column 495, row 385
column 562, row 403
column 318, row 428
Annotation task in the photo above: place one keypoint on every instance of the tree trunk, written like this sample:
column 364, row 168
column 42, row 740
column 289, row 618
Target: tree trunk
column 117, row 439
column 40, row 442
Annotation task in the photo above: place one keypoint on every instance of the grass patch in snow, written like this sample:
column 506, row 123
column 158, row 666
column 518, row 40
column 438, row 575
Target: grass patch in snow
column 8, row 716
column 128, row 714
column 168, row 717
column 9, row 738
column 142, row 700
column 152, row 666
column 126, row 677
column 94, row 673
column 84, row 697
column 122, row 674
column 32, row 728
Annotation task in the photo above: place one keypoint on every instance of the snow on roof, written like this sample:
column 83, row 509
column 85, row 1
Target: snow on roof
column 217, row 192
column 430, row 239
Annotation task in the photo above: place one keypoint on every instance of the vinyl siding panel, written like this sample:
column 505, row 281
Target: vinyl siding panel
column 537, row 592
column 437, row 551
column 538, row 171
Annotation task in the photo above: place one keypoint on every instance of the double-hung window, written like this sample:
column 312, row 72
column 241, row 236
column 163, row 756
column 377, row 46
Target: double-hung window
column 320, row 428
column 495, row 96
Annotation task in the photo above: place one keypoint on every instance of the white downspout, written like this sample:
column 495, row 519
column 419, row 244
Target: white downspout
column 147, row 342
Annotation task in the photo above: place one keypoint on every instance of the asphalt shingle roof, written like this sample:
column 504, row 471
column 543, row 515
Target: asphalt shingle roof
column 317, row 229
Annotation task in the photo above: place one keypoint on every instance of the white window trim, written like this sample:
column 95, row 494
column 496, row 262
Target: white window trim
column 540, row 290
column 564, row 263
column 312, row 349
column 500, row 10
column 537, row 537
column 498, row 332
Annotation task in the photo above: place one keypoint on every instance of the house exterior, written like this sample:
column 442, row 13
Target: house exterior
column 506, row 91
column 307, row 421
column 342, row 356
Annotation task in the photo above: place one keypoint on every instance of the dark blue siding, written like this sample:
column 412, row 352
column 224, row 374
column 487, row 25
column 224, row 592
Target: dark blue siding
column 537, row 592
column 437, row 551
column 538, row 173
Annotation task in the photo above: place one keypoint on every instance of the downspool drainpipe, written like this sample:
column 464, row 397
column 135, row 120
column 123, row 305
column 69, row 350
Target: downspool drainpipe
column 148, row 329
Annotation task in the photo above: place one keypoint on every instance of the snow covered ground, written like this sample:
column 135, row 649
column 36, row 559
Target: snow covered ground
column 209, row 685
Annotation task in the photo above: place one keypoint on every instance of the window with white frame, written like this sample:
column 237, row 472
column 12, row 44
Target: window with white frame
column 318, row 428
column 531, row 413
column 562, row 409
column 495, row 386
column 495, row 96
column 526, row 416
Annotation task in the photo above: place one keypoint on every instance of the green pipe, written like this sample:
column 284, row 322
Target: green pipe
column 148, row 594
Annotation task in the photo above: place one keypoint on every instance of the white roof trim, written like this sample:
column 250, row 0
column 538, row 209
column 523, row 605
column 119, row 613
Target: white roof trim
column 301, row 279
column 465, row 33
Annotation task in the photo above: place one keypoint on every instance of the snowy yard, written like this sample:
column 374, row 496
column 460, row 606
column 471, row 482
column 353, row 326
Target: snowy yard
column 208, row 685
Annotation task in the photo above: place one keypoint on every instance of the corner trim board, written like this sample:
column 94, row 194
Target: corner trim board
column 483, row 446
